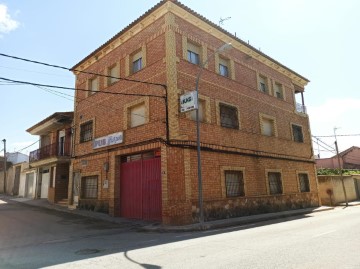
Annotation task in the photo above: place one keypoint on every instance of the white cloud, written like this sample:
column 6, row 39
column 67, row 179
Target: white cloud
column 7, row 24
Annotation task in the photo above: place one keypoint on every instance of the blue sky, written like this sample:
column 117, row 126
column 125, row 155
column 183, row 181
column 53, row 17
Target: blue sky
column 318, row 39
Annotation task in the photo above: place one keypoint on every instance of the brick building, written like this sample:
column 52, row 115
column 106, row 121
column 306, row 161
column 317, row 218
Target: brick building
column 135, row 153
column 52, row 159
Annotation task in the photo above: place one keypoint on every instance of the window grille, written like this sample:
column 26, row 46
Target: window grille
column 86, row 131
column 89, row 187
column 234, row 182
column 229, row 116
column 297, row 133
column 275, row 184
column 304, row 182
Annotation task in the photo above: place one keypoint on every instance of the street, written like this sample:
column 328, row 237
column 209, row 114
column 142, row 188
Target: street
column 33, row 237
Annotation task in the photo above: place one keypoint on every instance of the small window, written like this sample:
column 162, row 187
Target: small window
column 304, row 182
column 278, row 90
column 234, row 182
column 223, row 67
column 267, row 126
column 263, row 84
column 93, row 86
column 89, row 187
column 114, row 74
column 86, row 131
column 229, row 116
column 137, row 63
column 193, row 53
column 201, row 111
column 275, row 184
column 297, row 133
column 137, row 115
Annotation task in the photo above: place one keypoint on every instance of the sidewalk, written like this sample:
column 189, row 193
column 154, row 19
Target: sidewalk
column 156, row 227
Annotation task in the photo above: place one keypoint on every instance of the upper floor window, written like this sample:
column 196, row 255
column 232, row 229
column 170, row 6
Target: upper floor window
column 86, row 131
column 137, row 115
column 234, row 183
column 113, row 73
column 137, row 62
column 297, row 133
column 263, row 84
column 224, row 67
column 275, row 183
column 93, row 86
column 278, row 90
column 268, row 127
column 229, row 116
column 193, row 53
column 304, row 182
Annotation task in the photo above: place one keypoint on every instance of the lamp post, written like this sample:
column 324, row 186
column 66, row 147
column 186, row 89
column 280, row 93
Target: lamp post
column 200, row 190
column 5, row 168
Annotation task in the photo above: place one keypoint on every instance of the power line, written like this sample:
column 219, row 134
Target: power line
column 28, row 146
column 80, row 71
column 336, row 135
column 77, row 89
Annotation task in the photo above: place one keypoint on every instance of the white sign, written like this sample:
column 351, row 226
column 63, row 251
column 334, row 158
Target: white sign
column 108, row 140
column 188, row 101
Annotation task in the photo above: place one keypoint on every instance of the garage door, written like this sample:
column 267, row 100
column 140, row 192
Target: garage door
column 140, row 188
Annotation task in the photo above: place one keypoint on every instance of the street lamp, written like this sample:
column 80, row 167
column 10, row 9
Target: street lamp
column 202, row 65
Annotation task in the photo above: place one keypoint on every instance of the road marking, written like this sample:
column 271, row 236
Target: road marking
column 329, row 232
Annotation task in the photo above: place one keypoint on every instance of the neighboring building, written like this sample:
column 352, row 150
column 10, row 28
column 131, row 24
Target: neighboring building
column 52, row 159
column 331, row 189
column 349, row 159
column 17, row 157
column 135, row 153
column 8, row 175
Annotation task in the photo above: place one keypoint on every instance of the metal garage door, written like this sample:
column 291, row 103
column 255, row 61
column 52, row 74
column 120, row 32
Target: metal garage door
column 140, row 189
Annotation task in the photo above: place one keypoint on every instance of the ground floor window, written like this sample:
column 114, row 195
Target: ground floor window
column 275, row 183
column 304, row 182
column 234, row 182
column 89, row 187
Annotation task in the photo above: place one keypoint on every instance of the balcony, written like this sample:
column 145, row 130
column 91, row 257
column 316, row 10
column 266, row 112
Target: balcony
column 50, row 151
column 300, row 108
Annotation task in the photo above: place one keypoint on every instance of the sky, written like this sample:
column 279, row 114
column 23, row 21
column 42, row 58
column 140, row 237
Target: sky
column 318, row 39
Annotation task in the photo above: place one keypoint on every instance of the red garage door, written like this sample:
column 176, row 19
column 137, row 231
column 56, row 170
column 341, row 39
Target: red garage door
column 140, row 188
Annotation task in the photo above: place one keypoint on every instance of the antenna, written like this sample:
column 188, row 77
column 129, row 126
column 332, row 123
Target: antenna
column 221, row 21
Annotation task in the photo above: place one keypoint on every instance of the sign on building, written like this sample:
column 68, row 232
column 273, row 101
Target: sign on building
column 108, row 140
column 188, row 101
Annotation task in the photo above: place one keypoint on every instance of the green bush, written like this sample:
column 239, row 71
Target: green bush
column 336, row 172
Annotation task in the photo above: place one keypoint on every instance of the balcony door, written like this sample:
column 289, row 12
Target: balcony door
column 61, row 143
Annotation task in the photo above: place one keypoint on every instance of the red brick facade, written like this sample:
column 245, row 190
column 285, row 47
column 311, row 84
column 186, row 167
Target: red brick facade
column 161, row 35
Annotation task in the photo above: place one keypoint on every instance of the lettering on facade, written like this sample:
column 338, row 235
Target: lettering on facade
column 188, row 101
column 109, row 140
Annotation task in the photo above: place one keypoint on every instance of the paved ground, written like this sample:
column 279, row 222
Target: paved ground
column 36, row 237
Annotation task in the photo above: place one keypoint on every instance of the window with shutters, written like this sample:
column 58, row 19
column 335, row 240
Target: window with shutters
column 297, row 133
column 224, row 67
column 234, row 183
column 193, row 53
column 228, row 116
column 304, row 182
column 137, row 115
column 86, row 131
column 268, row 125
column 278, row 90
column 263, row 84
column 89, row 187
column 93, row 86
column 275, row 182
column 114, row 73
column 137, row 61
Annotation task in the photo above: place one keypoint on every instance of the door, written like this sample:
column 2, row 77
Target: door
column 29, row 185
column 45, row 181
column 17, row 180
column 61, row 146
column 140, row 189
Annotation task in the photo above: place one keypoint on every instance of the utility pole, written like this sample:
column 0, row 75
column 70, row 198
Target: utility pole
column 5, row 168
column 340, row 167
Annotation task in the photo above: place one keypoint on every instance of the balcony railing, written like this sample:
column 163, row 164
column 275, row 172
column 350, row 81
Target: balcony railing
column 52, row 150
column 300, row 108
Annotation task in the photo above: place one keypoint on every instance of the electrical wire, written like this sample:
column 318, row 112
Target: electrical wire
column 80, row 71
column 77, row 89
column 336, row 135
column 28, row 146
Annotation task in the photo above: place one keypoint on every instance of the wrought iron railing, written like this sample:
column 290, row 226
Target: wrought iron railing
column 52, row 150
column 300, row 108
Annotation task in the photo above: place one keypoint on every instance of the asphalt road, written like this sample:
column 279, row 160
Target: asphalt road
column 37, row 238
